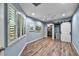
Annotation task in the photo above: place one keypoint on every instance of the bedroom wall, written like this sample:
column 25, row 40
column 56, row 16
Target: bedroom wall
column 34, row 34
column 75, row 30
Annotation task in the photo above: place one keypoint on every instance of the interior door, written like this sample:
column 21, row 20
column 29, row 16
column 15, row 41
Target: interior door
column 65, row 32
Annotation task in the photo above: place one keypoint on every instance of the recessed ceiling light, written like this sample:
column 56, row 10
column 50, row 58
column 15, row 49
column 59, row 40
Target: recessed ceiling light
column 43, row 19
column 44, row 16
column 33, row 14
column 63, row 14
column 62, row 3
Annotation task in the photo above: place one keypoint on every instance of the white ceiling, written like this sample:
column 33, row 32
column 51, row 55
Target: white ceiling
column 49, row 11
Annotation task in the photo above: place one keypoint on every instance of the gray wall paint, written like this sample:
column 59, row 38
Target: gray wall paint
column 2, row 35
column 18, row 7
column 1, row 25
column 15, row 48
column 75, row 30
column 45, row 29
column 57, row 31
column 33, row 35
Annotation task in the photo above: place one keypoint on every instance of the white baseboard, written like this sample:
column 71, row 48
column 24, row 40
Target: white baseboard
column 28, row 43
column 34, row 40
column 75, row 48
column 22, row 49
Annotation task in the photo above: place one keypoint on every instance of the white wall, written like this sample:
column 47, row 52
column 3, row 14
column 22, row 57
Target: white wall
column 75, row 31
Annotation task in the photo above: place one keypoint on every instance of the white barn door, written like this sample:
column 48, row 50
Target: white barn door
column 65, row 32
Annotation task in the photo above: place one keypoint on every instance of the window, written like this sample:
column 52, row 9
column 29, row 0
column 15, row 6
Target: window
column 21, row 25
column 16, row 24
column 11, row 23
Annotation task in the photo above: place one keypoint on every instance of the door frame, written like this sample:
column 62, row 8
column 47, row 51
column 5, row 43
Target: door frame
column 52, row 30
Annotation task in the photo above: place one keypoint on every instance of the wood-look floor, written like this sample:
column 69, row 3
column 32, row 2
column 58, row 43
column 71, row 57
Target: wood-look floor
column 49, row 47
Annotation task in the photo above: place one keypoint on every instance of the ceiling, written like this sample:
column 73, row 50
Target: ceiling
column 49, row 11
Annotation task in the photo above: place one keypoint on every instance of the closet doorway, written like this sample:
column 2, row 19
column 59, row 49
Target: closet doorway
column 50, row 30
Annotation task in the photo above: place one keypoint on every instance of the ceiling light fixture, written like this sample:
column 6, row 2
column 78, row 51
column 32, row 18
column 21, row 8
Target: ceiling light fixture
column 62, row 3
column 33, row 14
column 44, row 16
column 36, row 4
column 63, row 14
column 43, row 19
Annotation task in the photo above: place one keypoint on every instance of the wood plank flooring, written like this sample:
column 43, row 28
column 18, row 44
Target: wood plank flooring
column 49, row 47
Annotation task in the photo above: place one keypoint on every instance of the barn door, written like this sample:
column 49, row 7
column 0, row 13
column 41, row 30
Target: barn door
column 65, row 32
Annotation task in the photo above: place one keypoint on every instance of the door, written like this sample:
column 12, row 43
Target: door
column 65, row 32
